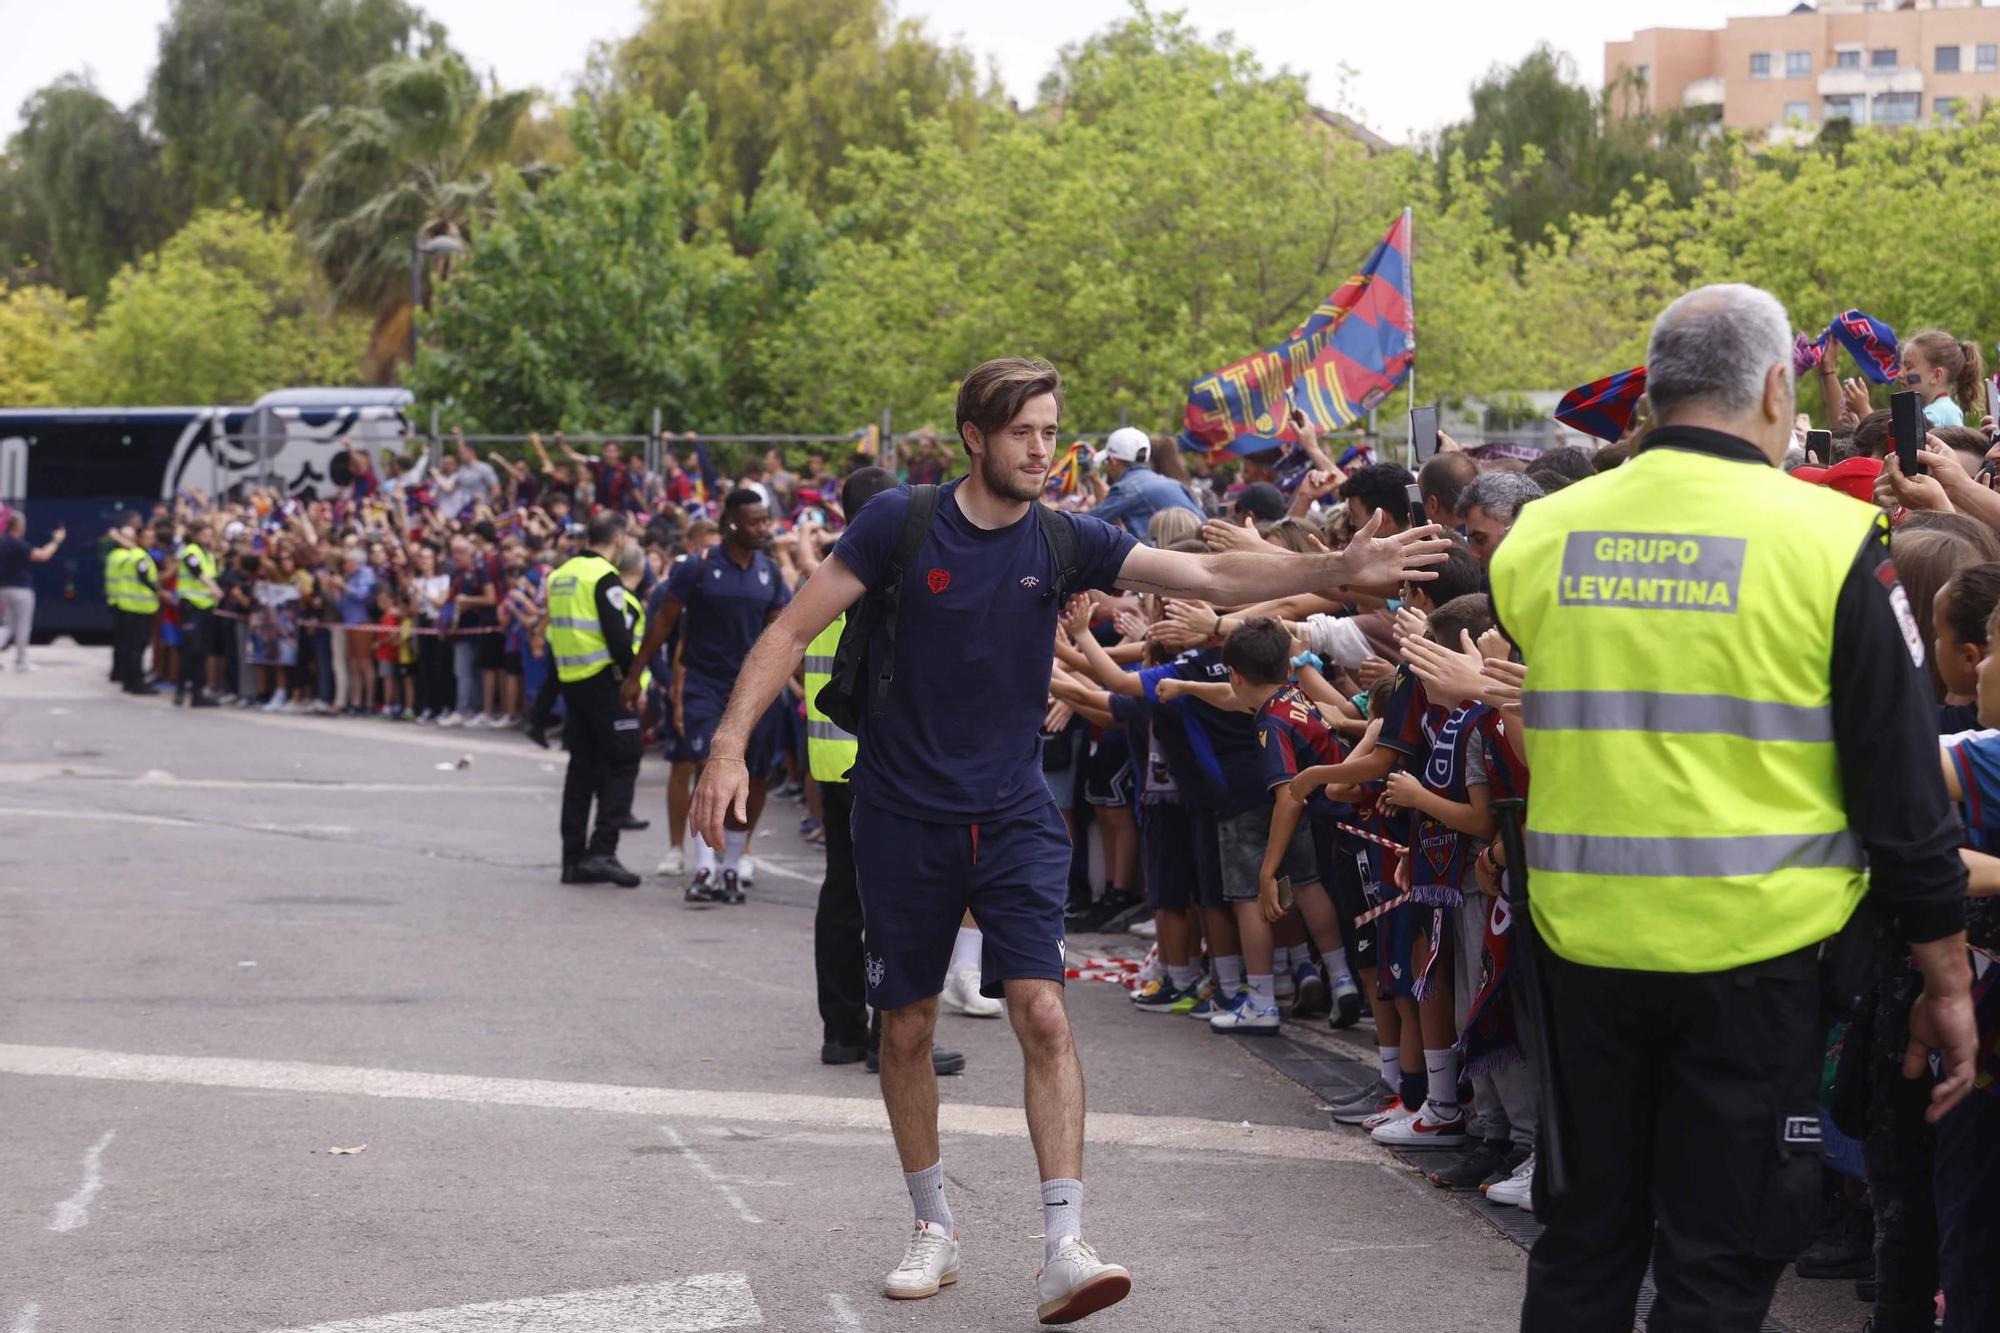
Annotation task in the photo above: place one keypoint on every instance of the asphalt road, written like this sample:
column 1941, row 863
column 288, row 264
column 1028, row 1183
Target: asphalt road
column 232, row 944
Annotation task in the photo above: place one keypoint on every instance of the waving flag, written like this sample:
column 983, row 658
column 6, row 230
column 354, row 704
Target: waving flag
column 1870, row 342
column 1604, row 408
column 1347, row 356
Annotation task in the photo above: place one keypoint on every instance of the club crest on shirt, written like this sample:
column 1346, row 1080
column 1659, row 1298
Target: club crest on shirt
column 938, row 580
column 764, row 577
column 876, row 969
column 1030, row 581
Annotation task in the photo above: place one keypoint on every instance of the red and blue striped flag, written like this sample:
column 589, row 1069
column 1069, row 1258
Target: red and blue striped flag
column 1605, row 407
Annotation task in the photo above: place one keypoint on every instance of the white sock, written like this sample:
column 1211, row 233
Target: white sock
column 1229, row 973
column 704, row 855
column 927, row 1195
column 1441, row 1068
column 732, row 846
column 1182, row 975
column 1281, row 958
column 967, row 953
column 1337, row 970
column 1261, row 993
column 1062, row 1214
column 1392, row 1064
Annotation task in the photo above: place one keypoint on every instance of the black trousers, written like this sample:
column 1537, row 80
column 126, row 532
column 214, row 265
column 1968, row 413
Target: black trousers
column 542, row 712
column 197, row 642
column 1690, row 1106
column 604, row 753
column 437, row 689
column 839, row 961
column 129, row 632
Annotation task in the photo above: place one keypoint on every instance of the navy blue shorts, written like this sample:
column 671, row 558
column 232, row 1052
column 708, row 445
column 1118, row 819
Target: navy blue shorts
column 1341, row 869
column 702, row 704
column 1177, row 851
column 917, row 879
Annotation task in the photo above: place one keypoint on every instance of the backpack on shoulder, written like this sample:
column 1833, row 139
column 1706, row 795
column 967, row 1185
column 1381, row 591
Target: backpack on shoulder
column 857, row 688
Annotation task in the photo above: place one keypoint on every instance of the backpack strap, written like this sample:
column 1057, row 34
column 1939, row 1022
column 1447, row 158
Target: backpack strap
column 888, row 594
column 1061, row 532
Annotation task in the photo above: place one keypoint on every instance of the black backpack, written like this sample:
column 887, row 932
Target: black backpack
column 851, row 685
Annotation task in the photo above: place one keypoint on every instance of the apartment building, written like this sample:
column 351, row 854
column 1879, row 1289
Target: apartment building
column 1874, row 62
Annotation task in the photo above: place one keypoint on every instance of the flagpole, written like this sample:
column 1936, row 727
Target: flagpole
column 1410, row 229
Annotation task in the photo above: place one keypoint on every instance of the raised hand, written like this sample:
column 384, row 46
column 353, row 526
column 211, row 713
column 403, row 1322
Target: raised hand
column 1384, row 562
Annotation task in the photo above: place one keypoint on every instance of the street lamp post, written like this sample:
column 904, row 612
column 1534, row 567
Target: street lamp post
column 421, row 245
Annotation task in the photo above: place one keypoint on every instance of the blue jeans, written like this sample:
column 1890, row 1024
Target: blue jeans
column 465, row 665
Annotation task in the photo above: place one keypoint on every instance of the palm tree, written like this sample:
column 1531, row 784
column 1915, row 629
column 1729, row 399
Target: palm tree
column 413, row 159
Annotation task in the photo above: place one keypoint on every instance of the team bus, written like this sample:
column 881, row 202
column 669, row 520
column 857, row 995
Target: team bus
column 82, row 468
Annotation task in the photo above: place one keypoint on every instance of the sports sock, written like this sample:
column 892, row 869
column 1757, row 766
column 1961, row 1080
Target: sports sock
column 1337, row 970
column 1281, row 959
column 1262, row 993
column 1182, row 975
column 966, row 952
column 1441, row 1071
column 1392, row 1065
column 1229, row 973
column 1062, row 1214
column 927, row 1194
column 733, row 840
column 704, row 855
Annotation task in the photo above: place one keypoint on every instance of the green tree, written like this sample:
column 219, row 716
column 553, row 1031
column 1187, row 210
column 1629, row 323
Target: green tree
column 235, row 80
column 805, row 78
column 39, row 329
column 226, row 310
column 1181, row 209
column 606, row 293
column 83, row 188
column 416, row 156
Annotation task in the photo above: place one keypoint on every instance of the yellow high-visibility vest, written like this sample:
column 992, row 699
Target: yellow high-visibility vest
column 118, row 578
column 830, row 752
column 1676, row 616
column 193, row 591
column 576, row 636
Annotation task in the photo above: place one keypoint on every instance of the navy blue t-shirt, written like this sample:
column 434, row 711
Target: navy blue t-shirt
column 1215, row 754
column 959, row 738
column 14, row 562
column 724, row 607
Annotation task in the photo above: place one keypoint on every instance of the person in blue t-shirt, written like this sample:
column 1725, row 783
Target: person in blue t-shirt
column 1136, row 492
column 720, row 602
column 950, row 807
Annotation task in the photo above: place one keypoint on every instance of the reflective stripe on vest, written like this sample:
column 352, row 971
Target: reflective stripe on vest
column 118, row 579
column 830, row 752
column 1676, row 615
column 576, row 636
column 194, row 592
column 141, row 598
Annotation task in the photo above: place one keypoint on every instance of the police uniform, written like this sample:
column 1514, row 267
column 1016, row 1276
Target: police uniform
column 591, row 641
column 839, row 962
column 197, row 610
column 131, row 587
column 1729, row 732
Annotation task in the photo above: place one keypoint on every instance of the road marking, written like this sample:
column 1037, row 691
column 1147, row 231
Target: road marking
column 767, row 863
column 691, row 1305
column 73, row 1213
column 708, row 1173
column 844, row 1314
column 309, row 831
column 24, row 1322
column 1183, row 1133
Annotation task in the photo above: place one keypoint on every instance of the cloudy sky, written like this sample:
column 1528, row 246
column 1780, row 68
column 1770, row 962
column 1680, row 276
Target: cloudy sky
column 1412, row 59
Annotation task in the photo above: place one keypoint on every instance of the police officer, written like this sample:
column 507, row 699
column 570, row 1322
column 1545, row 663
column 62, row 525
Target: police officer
column 1733, row 748
column 591, row 641
column 839, row 960
column 131, row 586
column 199, row 595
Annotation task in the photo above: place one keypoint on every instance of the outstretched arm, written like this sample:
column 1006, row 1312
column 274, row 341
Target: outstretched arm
column 725, row 780
column 1233, row 578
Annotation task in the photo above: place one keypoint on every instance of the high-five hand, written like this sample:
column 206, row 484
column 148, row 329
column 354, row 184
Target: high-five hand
column 1384, row 562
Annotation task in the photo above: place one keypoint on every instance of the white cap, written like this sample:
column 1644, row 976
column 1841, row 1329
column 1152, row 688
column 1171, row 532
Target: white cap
column 232, row 530
column 1127, row 444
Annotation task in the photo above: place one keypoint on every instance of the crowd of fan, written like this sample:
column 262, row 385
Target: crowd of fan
column 1296, row 800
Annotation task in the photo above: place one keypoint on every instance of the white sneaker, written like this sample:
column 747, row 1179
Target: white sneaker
column 494, row 722
column 277, row 702
column 1246, row 1015
column 1147, row 929
column 746, row 870
column 1282, row 986
column 1388, row 1117
column 930, row 1262
column 1425, row 1130
column 1518, row 1188
column 673, row 865
column 451, row 720
column 1077, row 1283
column 961, row 996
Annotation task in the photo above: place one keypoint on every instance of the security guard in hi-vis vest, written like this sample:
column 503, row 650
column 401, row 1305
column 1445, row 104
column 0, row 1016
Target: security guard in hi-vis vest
column 1733, row 747
column 199, row 594
column 591, row 641
column 131, row 588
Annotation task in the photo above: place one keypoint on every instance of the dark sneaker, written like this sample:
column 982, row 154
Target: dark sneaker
column 1119, row 904
column 841, row 1053
column 1506, row 1169
column 1470, row 1171
column 942, row 1061
column 731, row 890
column 1156, row 997
column 1310, row 996
column 632, row 824
column 605, row 869
column 702, row 890
column 1347, row 1006
column 1845, row 1247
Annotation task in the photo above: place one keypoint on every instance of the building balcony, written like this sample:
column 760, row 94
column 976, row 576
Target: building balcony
column 1703, row 93
column 1868, row 82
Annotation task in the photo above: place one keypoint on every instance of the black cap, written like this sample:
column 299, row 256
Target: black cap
column 1263, row 500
